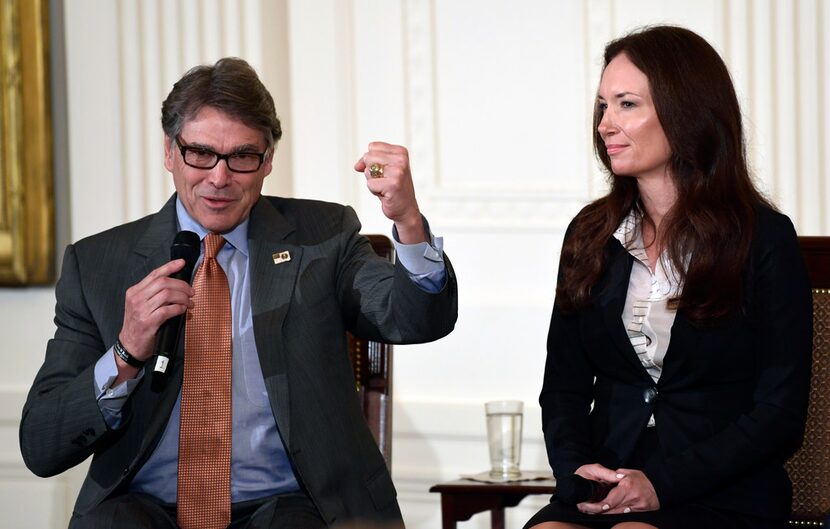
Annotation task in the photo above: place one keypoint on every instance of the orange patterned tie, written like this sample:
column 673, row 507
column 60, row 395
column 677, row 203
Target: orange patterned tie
column 204, row 487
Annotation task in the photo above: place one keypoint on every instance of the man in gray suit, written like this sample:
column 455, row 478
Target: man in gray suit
column 299, row 275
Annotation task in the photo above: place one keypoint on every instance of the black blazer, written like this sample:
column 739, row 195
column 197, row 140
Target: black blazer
column 301, row 310
column 731, row 401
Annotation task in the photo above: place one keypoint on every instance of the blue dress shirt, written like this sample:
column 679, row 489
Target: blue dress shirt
column 259, row 465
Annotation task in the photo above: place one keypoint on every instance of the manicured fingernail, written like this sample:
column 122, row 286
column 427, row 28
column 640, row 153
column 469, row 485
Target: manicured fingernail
column 627, row 510
column 620, row 476
column 606, row 507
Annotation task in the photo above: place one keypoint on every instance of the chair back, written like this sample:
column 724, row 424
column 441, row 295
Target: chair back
column 809, row 468
column 372, row 365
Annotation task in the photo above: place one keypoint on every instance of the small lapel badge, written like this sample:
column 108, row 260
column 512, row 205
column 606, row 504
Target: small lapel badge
column 281, row 257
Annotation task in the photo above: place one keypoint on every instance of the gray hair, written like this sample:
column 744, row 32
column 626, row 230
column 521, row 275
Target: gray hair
column 231, row 86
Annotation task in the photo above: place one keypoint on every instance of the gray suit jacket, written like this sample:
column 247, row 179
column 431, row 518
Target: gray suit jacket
column 301, row 310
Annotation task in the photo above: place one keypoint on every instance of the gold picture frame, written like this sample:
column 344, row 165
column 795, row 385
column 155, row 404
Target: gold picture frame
column 27, row 231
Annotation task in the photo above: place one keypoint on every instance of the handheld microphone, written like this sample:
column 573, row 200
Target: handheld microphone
column 186, row 246
column 575, row 489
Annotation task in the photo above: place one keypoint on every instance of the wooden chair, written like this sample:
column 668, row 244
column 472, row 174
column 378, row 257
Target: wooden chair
column 372, row 364
column 809, row 468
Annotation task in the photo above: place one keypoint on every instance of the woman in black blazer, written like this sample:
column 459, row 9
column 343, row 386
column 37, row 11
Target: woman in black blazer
column 679, row 349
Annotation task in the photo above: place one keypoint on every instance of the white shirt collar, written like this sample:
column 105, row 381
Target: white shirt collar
column 630, row 235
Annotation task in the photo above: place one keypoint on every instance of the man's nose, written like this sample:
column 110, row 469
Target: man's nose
column 221, row 175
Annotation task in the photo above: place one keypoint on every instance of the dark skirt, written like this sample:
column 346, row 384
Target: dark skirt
column 688, row 516
column 691, row 516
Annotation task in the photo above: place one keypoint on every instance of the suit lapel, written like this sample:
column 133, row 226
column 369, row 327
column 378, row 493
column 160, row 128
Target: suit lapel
column 684, row 339
column 611, row 300
column 152, row 250
column 273, row 265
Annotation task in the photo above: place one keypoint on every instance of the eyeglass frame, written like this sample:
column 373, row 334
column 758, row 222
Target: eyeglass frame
column 219, row 157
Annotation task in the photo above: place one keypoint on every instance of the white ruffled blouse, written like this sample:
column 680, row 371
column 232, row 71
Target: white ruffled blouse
column 646, row 316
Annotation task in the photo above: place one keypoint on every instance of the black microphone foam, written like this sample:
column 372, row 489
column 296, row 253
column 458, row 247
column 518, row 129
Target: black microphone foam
column 186, row 245
column 575, row 489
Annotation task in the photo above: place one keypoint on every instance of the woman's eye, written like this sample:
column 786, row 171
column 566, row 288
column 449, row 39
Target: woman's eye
column 602, row 106
column 627, row 104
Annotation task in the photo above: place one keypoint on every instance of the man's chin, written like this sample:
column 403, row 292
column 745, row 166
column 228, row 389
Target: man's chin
column 219, row 223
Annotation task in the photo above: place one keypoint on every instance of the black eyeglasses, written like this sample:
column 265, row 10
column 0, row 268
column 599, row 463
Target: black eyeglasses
column 238, row 162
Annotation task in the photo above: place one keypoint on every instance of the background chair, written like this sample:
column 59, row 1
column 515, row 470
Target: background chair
column 372, row 364
column 809, row 468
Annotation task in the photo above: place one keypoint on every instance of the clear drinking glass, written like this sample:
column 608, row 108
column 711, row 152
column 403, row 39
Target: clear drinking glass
column 504, row 435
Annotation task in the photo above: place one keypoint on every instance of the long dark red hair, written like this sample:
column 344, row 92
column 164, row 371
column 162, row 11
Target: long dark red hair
column 713, row 218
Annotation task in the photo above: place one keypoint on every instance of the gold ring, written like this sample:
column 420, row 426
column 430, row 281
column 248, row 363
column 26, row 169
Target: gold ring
column 376, row 170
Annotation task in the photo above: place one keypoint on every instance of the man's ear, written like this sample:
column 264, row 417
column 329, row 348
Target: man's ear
column 169, row 153
column 268, row 163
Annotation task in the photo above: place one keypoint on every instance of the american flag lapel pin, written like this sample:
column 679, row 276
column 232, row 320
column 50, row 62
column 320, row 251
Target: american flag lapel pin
column 281, row 257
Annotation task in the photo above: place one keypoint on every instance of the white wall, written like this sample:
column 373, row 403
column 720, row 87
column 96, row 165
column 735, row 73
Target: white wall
column 493, row 98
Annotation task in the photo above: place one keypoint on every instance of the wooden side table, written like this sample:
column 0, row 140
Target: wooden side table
column 462, row 498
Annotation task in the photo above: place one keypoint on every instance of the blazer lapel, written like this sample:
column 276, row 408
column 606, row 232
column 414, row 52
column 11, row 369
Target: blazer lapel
column 152, row 250
column 273, row 265
column 611, row 300
column 686, row 337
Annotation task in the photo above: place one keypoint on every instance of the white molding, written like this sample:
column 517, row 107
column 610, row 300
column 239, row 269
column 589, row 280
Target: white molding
column 132, row 153
column 763, row 99
column 785, row 145
column 212, row 26
column 514, row 203
column 419, row 72
column 189, row 33
column 154, row 88
column 253, row 43
column 94, row 128
column 808, row 105
column 485, row 210
column 598, row 30
column 424, row 115
column 321, row 99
